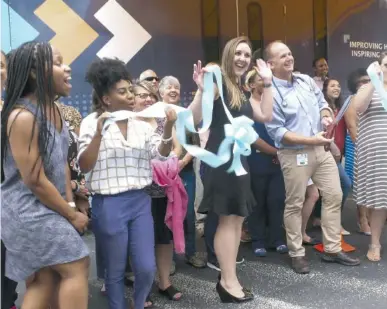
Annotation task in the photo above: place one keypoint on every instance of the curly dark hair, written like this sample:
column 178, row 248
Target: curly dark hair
column 102, row 75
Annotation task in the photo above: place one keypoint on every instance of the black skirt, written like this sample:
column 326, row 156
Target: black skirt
column 163, row 235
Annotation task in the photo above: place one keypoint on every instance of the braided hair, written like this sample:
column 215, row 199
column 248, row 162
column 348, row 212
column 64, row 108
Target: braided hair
column 102, row 75
column 30, row 71
column 3, row 66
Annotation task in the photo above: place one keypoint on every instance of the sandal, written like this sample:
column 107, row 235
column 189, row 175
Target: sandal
column 103, row 290
column 366, row 232
column 171, row 292
column 373, row 253
column 149, row 300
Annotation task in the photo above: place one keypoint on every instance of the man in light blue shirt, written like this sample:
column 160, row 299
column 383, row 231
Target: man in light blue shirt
column 300, row 114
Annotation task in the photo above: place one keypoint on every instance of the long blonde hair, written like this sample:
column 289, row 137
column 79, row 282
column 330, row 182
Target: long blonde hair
column 250, row 77
column 230, row 79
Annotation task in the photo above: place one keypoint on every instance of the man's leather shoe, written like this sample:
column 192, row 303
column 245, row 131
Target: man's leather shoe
column 340, row 258
column 300, row 265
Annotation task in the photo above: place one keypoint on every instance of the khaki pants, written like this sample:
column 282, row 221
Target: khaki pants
column 323, row 170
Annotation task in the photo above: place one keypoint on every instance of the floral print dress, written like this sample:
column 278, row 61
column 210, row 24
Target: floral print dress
column 73, row 121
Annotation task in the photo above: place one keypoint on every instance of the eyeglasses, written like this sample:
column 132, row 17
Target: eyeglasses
column 152, row 78
column 144, row 96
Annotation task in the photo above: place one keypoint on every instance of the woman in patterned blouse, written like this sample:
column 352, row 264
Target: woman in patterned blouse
column 117, row 160
column 73, row 121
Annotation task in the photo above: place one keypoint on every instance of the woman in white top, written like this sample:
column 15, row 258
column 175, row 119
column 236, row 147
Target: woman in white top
column 117, row 160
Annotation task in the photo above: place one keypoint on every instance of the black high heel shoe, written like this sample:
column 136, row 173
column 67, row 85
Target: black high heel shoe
column 245, row 290
column 226, row 297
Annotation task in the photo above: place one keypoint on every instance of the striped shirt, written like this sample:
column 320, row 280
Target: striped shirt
column 370, row 185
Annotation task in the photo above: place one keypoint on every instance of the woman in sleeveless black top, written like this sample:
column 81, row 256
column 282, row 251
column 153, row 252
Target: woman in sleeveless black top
column 225, row 194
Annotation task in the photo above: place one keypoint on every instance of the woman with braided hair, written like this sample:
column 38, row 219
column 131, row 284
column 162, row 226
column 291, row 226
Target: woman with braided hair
column 8, row 286
column 41, row 226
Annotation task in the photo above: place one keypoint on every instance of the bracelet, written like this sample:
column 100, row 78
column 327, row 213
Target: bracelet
column 72, row 205
column 166, row 140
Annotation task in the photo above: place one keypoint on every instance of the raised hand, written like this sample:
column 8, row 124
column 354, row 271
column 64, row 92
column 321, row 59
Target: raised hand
column 101, row 121
column 198, row 75
column 263, row 70
column 171, row 115
column 377, row 68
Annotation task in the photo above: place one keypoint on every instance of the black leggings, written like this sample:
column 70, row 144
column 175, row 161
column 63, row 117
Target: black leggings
column 8, row 287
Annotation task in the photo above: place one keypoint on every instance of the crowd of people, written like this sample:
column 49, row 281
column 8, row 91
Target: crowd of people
column 134, row 184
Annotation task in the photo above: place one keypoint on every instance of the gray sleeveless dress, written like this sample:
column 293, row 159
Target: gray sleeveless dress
column 34, row 235
column 370, row 185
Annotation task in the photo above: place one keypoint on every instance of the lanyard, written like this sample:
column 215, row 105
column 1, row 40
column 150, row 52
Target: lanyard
column 285, row 104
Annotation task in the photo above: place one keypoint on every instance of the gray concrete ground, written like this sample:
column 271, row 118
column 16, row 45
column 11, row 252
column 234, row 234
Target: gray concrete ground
column 275, row 285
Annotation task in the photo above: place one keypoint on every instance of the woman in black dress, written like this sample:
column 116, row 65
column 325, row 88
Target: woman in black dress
column 226, row 194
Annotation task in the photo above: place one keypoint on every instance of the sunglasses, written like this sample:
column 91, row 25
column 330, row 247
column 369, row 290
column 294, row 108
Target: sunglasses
column 152, row 78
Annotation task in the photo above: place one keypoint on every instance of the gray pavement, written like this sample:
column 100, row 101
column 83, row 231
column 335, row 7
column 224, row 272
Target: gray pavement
column 275, row 285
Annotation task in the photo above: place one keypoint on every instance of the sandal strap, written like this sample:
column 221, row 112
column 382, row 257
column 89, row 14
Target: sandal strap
column 170, row 292
column 372, row 246
column 149, row 299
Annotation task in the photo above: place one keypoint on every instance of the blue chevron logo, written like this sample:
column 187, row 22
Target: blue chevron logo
column 21, row 30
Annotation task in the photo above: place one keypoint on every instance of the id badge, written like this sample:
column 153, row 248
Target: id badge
column 302, row 159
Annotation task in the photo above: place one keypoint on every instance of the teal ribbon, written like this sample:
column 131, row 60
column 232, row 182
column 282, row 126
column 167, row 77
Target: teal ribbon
column 239, row 133
column 117, row 116
column 377, row 81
